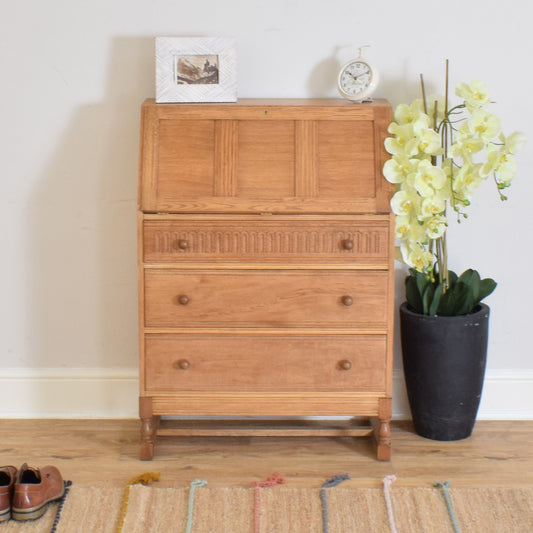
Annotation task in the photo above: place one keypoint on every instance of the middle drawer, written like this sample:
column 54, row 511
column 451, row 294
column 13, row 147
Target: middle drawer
column 265, row 298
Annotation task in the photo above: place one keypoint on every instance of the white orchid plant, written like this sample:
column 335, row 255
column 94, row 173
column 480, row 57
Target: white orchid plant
column 439, row 156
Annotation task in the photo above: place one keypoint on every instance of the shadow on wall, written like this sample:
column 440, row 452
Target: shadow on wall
column 323, row 78
column 82, row 241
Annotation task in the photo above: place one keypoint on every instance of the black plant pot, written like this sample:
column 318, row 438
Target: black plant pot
column 444, row 361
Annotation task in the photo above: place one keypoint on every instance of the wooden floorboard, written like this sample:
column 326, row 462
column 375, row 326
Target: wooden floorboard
column 89, row 452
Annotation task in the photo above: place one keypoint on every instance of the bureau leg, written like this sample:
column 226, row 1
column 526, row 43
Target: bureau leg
column 382, row 431
column 382, row 437
column 148, row 429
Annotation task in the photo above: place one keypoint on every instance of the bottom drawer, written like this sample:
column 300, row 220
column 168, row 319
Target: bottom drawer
column 226, row 362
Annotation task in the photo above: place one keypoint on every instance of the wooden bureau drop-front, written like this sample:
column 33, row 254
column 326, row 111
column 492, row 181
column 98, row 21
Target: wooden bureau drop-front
column 265, row 270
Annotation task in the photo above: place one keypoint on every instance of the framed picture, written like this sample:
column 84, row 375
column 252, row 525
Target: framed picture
column 195, row 69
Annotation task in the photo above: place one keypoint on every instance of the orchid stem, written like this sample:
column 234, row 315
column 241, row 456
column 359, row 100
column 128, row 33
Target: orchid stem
column 423, row 93
column 446, row 91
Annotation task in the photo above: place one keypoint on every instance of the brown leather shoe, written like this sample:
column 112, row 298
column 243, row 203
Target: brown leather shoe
column 34, row 489
column 8, row 475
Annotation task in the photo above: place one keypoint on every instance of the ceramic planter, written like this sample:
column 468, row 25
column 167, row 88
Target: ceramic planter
column 444, row 361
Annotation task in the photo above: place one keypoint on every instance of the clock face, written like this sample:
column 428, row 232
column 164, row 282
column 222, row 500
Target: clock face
column 355, row 78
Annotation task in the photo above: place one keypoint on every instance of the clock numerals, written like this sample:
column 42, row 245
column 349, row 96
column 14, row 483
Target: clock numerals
column 356, row 78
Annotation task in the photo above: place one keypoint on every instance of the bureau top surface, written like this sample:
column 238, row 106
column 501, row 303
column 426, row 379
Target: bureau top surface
column 307, row 102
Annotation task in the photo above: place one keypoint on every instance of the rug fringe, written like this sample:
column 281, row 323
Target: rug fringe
column 329, row 483
column 447, row 498
column 190, row 510
column 387, row 483
column 272, row 480
column 67, row 484
column 145, row 479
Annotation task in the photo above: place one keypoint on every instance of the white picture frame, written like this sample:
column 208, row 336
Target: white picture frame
column 195, row 69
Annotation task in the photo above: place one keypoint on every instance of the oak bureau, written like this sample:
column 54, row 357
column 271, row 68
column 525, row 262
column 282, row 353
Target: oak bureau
column 265, row 270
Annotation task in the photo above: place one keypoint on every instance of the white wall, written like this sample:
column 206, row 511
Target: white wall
column 74, row 74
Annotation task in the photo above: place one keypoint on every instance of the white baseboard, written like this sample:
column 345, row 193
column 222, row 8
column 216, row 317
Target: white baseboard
column 113, row 393
column 69, row 393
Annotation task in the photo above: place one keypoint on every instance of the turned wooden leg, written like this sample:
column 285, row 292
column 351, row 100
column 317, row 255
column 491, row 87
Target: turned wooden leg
column 382, row 432
column 383, row 439
column 148, row 429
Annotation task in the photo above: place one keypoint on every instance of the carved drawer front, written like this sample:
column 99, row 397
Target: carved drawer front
column 262, row 362
column 266, row 239
column 265, row 298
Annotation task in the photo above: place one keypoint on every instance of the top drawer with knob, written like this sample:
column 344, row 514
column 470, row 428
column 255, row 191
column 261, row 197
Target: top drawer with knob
column 343, row 239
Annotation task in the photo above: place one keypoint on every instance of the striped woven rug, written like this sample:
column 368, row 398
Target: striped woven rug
column 282, row 509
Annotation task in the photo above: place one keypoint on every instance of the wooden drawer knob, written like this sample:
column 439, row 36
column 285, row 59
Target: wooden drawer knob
column 347, row 244
column 182, row 364
column 183, row 244
column 183, row 300
column 347, row 300
column 345, row 364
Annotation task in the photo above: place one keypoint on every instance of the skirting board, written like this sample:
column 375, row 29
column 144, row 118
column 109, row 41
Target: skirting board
column 113, row 393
